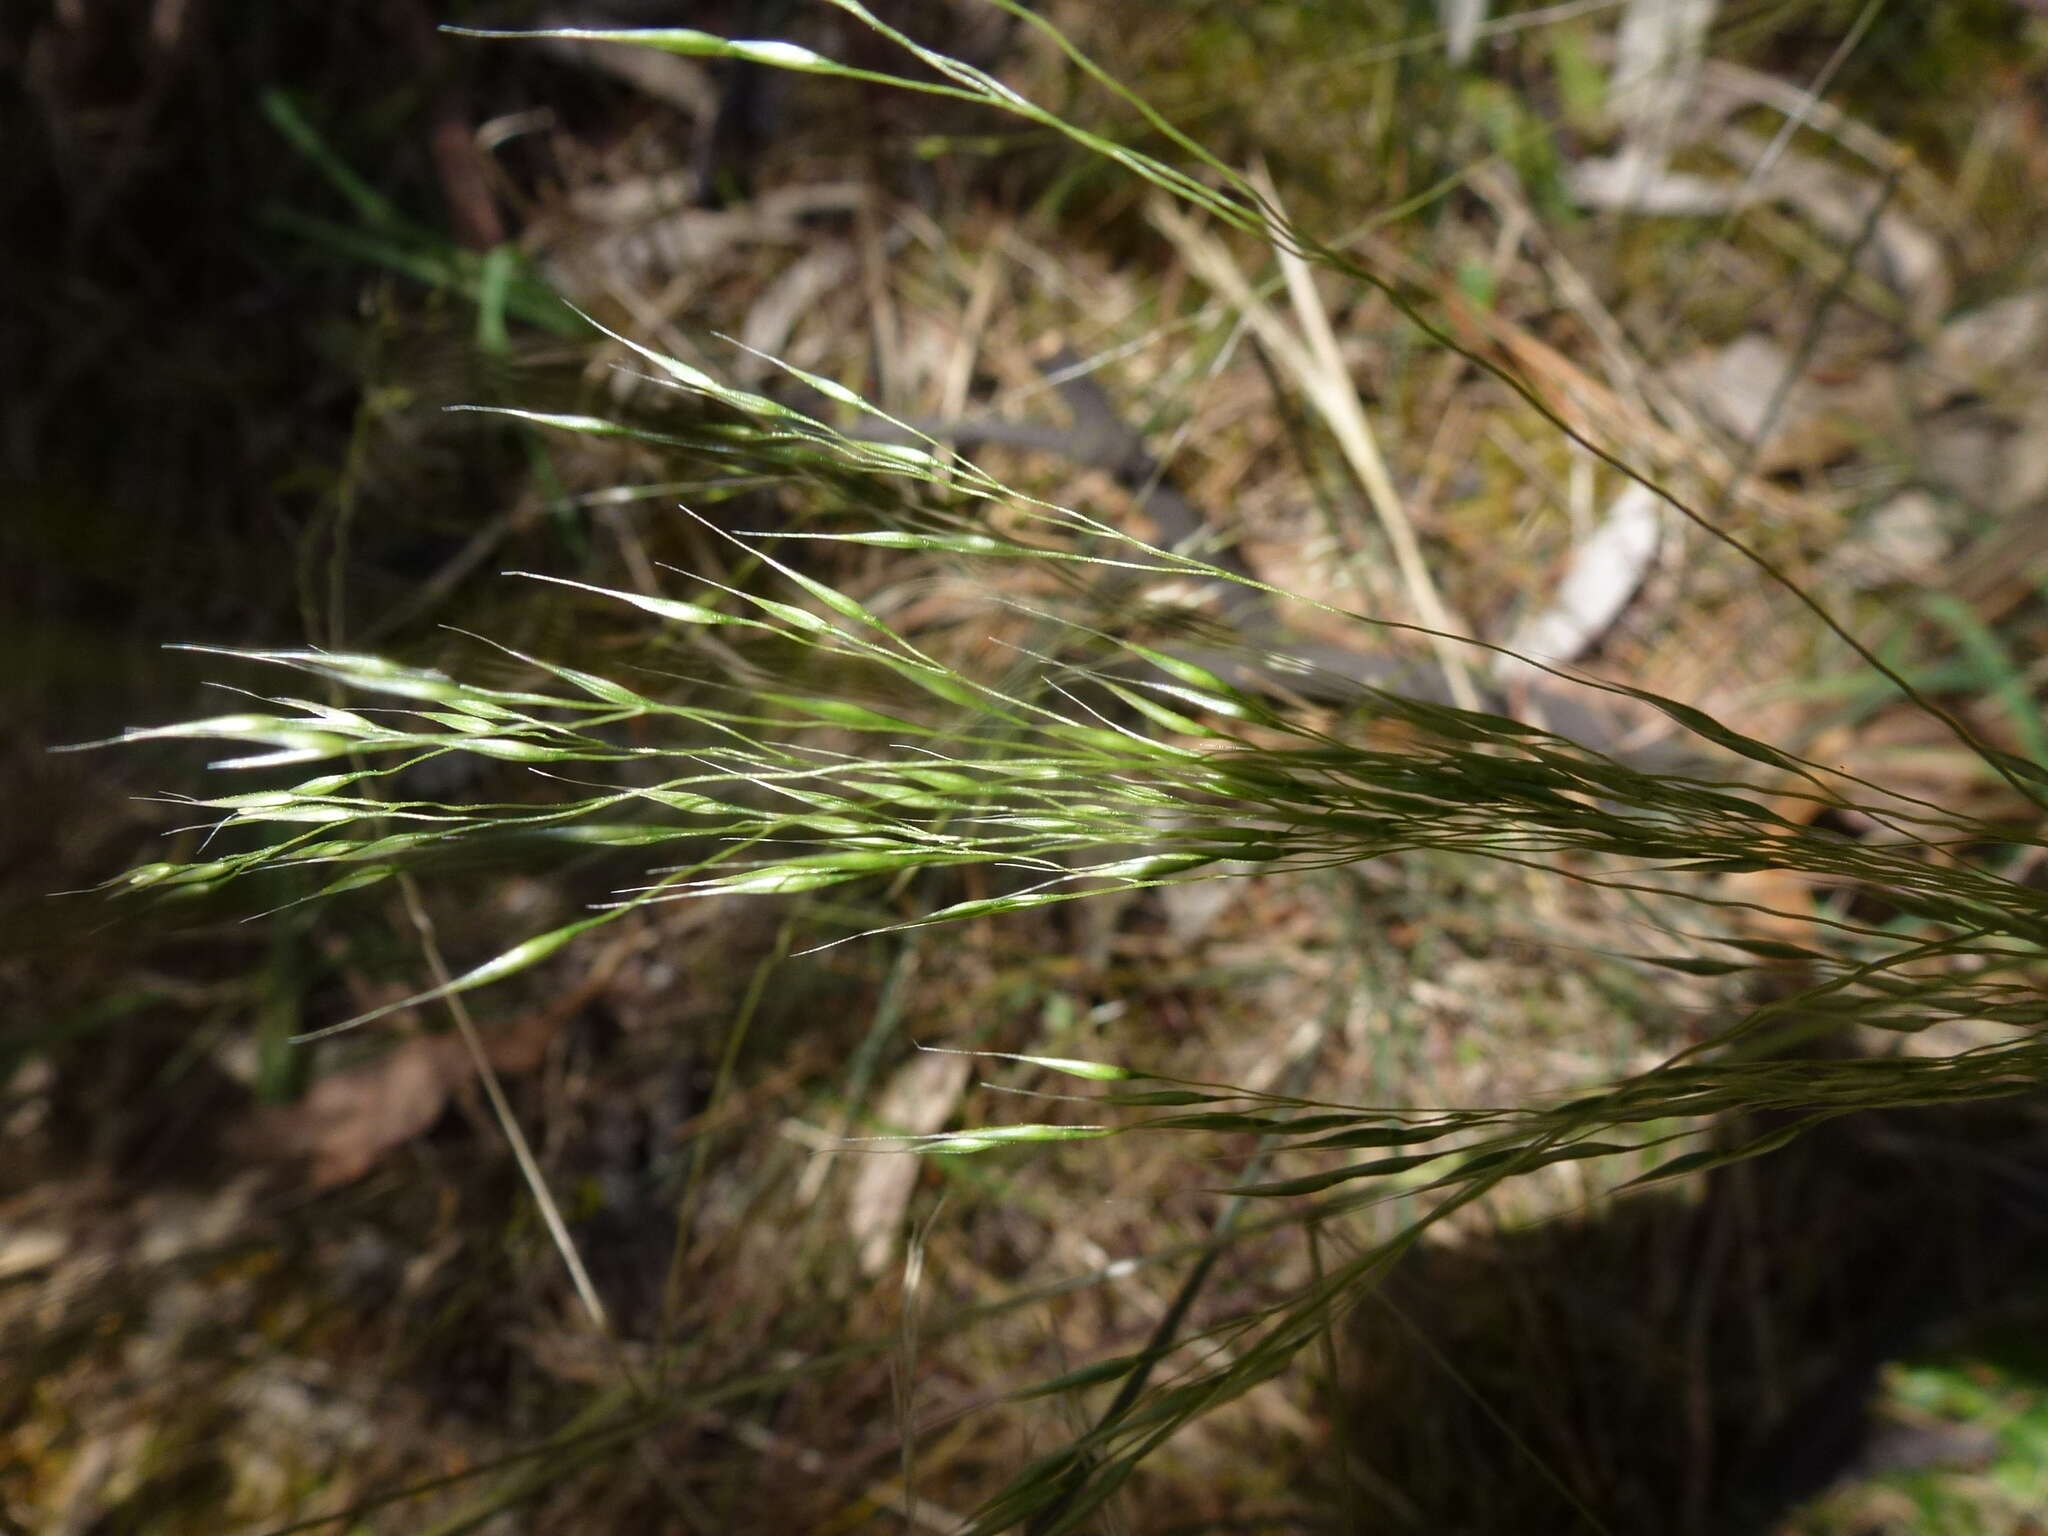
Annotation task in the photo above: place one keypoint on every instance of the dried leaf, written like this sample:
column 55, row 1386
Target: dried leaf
column 349, row 1120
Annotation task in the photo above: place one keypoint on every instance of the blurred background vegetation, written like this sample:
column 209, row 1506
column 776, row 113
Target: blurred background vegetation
column 254, row 253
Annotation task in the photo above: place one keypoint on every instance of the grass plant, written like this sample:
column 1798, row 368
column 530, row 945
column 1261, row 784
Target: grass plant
column 794, row 739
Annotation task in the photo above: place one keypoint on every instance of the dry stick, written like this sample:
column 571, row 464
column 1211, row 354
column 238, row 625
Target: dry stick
column 515, row 1138
column 1320, row 372
column 1355, row 436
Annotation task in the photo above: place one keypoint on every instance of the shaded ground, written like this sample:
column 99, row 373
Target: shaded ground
column 1707, row 1362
